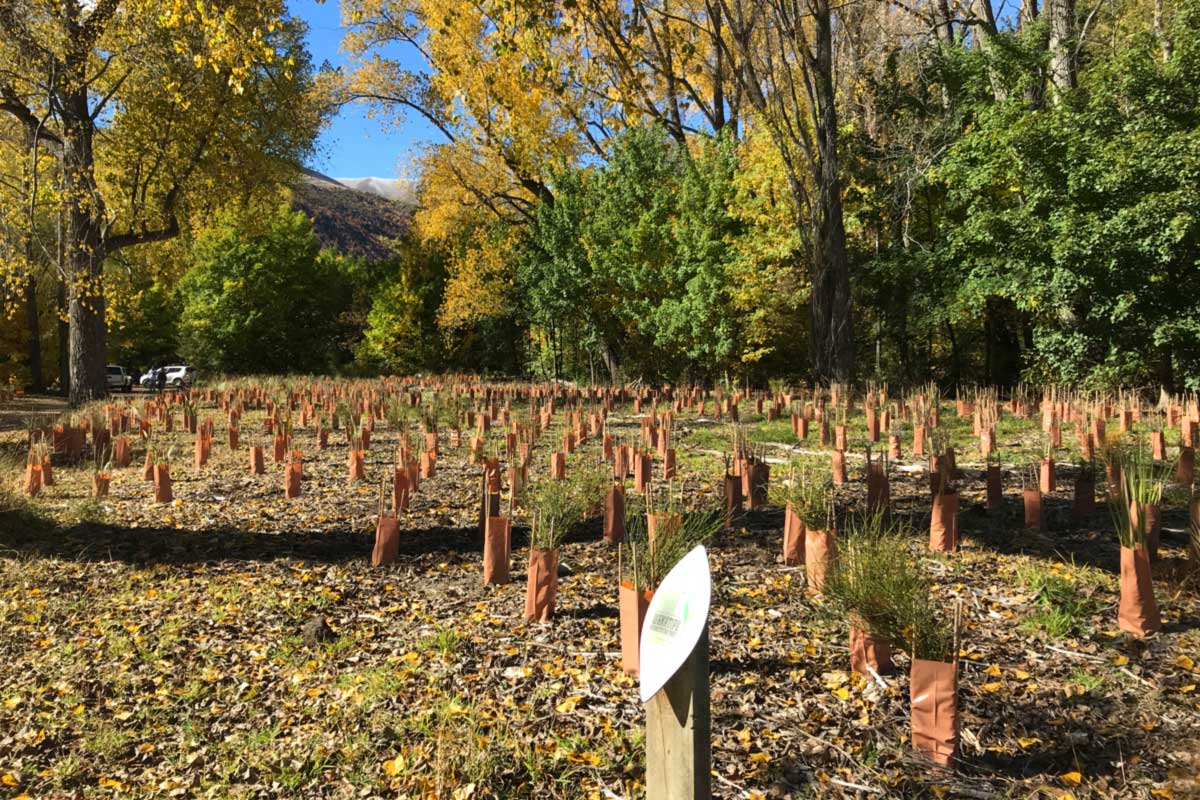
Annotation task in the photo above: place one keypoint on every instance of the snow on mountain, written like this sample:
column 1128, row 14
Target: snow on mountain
column 398, row 190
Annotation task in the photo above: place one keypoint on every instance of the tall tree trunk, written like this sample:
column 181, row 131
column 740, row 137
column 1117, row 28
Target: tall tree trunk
column 832, row 333
column 944, row 23
column 718, row 89
column 1027, row 14
column 955, row 356
column 1035, row 89
column 1062, row 46
column 988, row 348
column 64, row 341
column 84, row 249
column 944, row 31
column 1166, row 370
column 984, row 30
column 610, row 360
column 33, row 333
column 795, row 94
column 1161, row 31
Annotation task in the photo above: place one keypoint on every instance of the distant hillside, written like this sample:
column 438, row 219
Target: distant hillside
column 353, row 220
column 396, row 189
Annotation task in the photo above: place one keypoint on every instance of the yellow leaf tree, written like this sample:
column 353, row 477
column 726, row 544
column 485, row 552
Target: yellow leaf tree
column 152, row 110
column 521, row 90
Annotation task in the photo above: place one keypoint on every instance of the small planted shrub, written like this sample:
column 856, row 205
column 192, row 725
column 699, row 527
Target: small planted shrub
column 556, row 507
column 929, row 634
column 1134, row 511
column 646, row 557
column 873, row 569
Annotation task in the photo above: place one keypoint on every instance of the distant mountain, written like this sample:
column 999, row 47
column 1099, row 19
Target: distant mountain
column 396, row 189
column 357, row 216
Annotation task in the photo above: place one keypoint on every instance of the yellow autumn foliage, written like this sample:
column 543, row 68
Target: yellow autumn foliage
column 481, row 279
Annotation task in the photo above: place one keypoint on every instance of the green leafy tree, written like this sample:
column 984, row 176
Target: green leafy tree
column 265, row 298
column 697, row 319
column 628, row 239
column 154, row 111
column 631, row 261
column 1085, row 218
column 401, row 334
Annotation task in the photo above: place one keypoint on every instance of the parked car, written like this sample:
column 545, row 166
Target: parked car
column 179, row 376
column 119, row 379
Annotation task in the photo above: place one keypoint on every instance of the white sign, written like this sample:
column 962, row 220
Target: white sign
column 675, row 619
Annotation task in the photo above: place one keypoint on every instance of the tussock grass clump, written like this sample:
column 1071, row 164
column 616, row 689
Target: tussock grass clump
column 809, row 492
column 928, row 627
column 644, row 564
column 556, row 507
column 874, row 565
column 877, row 582
column 1140, row 483
column 591, row 481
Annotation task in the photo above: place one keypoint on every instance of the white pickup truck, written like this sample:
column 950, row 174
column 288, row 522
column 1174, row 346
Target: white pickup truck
column 119, row 379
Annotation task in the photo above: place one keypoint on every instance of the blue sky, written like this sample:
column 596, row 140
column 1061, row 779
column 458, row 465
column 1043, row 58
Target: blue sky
column 354, row 146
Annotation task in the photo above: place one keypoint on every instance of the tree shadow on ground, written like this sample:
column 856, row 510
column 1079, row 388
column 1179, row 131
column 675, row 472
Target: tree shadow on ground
column 1067, row 737
column 26, row 535
column 752, row 665
column 594, row 611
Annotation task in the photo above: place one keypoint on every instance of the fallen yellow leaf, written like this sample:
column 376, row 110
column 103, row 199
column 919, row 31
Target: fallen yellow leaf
column 591, row 759
column 1073, row 778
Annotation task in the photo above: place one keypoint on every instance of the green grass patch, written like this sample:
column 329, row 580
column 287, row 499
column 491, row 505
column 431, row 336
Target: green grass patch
column 107, row 742
column 1060, row 606
column 1089, row 681
column 444, row 641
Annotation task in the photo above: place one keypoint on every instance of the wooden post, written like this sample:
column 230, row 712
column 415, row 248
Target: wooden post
column 678, row 733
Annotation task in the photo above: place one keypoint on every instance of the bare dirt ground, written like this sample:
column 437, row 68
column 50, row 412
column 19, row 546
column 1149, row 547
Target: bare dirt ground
column 16, row 414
